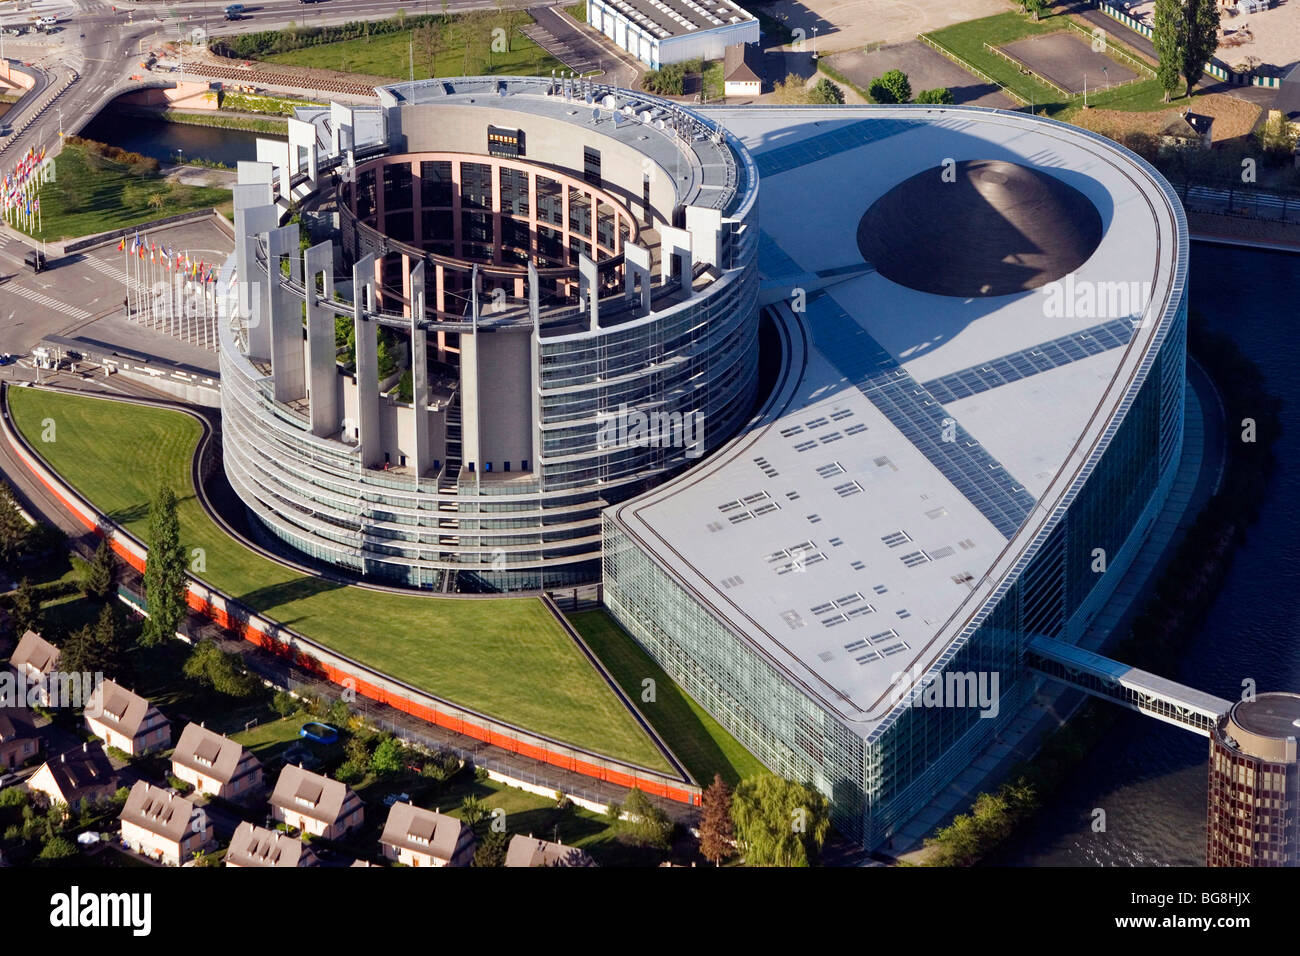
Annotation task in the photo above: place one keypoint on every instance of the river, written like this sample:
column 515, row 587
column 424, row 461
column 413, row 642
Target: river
column 1150, row 777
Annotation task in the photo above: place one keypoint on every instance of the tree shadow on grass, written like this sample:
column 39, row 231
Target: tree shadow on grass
column 265, row 599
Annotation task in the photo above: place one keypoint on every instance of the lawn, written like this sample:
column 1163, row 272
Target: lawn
column 465, row 48
column 506, row 657
column 698, row 740
column 92, row 194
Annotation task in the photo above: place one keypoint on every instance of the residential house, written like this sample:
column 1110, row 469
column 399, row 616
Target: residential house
column 315, row 804
column 742, row 70
column 212, row 763
column 162, row 825
column 126, row 721
column 257, row 846
column 419, row 837
column 83, row 772
column 1187, row 130
column 34, row 659
column 19, row 741
column 529, row 851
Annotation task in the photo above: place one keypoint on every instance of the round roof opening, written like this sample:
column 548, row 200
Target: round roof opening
column 979, row 228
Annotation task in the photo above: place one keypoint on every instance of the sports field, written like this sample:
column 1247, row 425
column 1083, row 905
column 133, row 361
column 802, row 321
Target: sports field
column 505, row 657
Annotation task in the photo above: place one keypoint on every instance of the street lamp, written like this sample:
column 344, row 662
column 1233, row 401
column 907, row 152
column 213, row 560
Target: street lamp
column 814, row 50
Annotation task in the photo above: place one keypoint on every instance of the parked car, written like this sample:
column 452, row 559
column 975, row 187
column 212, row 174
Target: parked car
column 393, row 798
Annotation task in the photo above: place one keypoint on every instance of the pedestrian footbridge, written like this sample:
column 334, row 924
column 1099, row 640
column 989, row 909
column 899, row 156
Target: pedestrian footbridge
column 1135, row 689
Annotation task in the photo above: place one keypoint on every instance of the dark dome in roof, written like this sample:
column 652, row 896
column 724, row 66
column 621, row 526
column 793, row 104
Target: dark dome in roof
column 989, row 228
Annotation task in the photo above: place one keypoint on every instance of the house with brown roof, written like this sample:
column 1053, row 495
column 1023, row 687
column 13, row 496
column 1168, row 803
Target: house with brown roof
column 126, row 720
column 419, row 837
column 83, row 772
column 315, row 804
column 529, row 851
column 215, row 764
column 162, row 825
column 257, row 846
column 742, row 70
column 19, row 741
column 34, row 659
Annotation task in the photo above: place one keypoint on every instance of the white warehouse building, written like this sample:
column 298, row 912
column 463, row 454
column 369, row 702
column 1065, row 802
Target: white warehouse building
column 658, row 32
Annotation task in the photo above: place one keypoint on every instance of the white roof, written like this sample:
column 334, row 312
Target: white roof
column 858, row 614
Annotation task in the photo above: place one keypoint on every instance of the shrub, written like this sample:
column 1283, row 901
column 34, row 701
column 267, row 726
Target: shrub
column 57, row 848
column 824, row 92
column 940, row 96
column 348, row 772
column 14, row 797
column 284, row 703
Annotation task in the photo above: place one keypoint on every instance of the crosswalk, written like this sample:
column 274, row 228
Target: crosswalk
column 49, row 302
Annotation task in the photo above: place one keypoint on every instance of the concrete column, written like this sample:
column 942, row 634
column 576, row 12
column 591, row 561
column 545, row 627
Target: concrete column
column 636, row 268
column 534, row 312
column 589, row 290
column 323, row 377
column 420, row 374
column 366, row 331
column 289, row 378
column 675, row 243
column 252, row 221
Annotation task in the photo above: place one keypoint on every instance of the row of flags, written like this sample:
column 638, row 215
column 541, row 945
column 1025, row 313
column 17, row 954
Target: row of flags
column 173, row 260
column 20, row 201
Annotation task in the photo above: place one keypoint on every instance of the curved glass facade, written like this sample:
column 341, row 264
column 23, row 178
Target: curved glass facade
column 537, row 414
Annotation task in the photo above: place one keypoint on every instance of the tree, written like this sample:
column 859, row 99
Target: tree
column 389, row 756
column 1167, row 35
column 647, row 825
column 284, row 703
column 164, row 572
column 791, row 90
column 13, row 526
column 1200, row 38
column 824, row 92
column 101, row 573
column 491, row 850
column 779, row 822
column 892, row 86
column 473, row 811
column 223, row 672
column 717, row 832
column 1034, row 7
column 27, row 609
column 940, row 96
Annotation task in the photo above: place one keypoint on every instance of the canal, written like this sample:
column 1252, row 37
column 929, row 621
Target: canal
column 166, row 142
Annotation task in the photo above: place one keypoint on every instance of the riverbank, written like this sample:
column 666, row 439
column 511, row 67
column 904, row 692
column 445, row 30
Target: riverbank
column 245, row 122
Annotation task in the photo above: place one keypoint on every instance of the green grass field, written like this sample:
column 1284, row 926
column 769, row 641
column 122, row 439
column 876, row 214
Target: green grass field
column 91, row 194
column 967, row 41
column 505, row 657
column 465, row 48
column 698, row 740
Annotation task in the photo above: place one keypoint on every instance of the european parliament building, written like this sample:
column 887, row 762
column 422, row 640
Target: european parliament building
column 974, row 418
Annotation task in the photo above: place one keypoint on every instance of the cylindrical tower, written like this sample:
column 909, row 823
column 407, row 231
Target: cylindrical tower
column 1254, row 798
column 525, row 300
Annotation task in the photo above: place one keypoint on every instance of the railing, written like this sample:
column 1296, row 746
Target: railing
column 1026, row 68
column 970, row 68
column 1115, row 51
